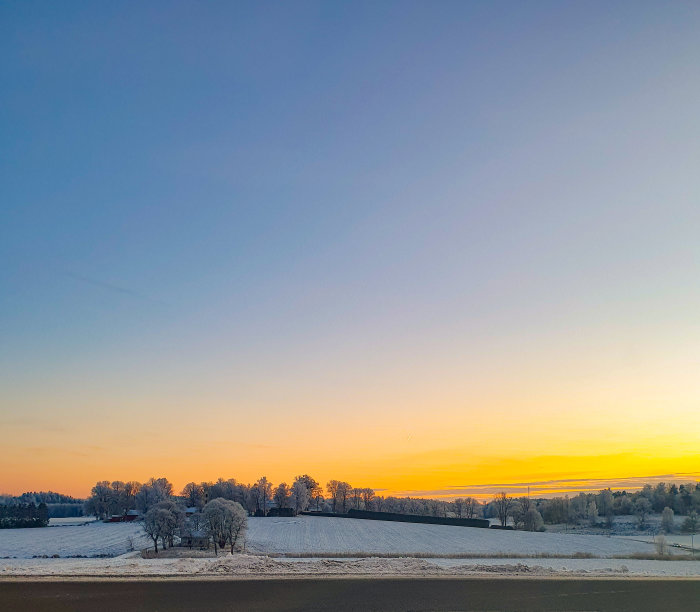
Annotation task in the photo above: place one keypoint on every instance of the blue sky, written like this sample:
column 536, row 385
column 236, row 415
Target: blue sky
column 346, row 206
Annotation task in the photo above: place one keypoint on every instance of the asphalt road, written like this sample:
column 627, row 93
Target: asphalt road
column 352, row 594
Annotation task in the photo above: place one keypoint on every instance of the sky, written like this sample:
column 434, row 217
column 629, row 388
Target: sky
column 428, row 247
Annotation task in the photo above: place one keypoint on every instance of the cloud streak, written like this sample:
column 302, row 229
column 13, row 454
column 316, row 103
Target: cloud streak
column 546, row 488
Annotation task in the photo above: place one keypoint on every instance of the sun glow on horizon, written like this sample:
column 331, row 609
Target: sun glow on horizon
column 424, row 250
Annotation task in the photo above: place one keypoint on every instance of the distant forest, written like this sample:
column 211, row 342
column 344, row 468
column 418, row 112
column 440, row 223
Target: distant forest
column 23, row 515
column 57, row 505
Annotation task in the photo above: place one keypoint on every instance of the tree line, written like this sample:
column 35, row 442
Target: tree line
column 600, row 509
column 14, row 515
column 305, row 493
column 58, row 504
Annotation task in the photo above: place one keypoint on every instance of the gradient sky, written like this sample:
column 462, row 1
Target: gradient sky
column 428, row 246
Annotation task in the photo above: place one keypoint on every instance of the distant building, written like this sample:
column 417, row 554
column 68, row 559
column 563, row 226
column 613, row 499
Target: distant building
column 195, row 539
column 127, row 517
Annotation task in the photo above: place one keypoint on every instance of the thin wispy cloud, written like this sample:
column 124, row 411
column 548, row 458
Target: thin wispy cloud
column 557, row 486
column 105, row 285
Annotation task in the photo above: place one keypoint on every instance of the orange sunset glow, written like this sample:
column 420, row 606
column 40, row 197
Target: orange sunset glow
column 434, row 253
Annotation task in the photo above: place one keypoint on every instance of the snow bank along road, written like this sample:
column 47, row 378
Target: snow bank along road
column 305, row 535
column 236, row 566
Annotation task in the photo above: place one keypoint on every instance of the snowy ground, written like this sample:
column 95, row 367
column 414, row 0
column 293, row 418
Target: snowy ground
column 88, row 540
column 70, row 520
column 249, row 565
column 674, row 541
column 308, row 536
column 315, row 535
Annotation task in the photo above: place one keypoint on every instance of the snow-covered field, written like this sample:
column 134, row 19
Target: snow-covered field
column 89, row 540
column 315, row 535
column 324, row 536
column 306, row 535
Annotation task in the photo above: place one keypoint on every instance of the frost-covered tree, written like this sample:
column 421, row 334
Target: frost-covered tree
column 154, row 491
column 592, row 513
column 667, row 520
column 226, row 521
column 178, row 512
column 642, row 507
column 532, row 521
column 159, row 523
column 315, row 490
column 300, row 495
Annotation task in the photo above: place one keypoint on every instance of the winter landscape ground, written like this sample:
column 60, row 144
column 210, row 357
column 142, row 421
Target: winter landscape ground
column 333, row 546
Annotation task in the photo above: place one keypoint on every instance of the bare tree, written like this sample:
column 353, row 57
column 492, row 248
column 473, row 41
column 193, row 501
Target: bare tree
column 282, row 495
column 367, row 497
column 263, row 490
column 100, row 500
column 344, row 489
column 151, row 527
column 378, row 502
column 194, row 495
column 470, row 506
column 459, row 507
column 332, row 488
column 503, row 504
column 691, row 525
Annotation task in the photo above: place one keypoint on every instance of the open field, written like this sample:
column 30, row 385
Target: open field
column 306, row 535
column 321, row 535
column 89, row 540
column 315, row 535
column 415, row 549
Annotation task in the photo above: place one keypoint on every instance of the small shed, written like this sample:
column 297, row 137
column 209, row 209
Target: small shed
column 195, row 539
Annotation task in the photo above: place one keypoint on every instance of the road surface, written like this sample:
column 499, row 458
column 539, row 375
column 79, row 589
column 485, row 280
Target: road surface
column 351, row 594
